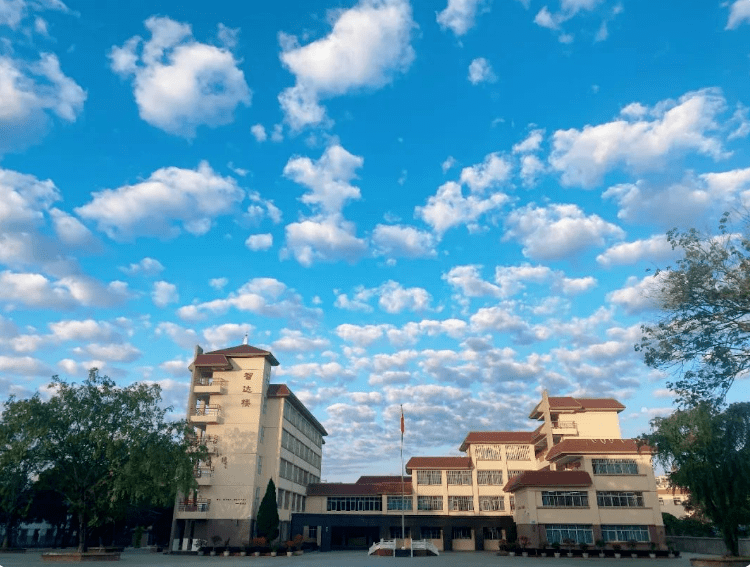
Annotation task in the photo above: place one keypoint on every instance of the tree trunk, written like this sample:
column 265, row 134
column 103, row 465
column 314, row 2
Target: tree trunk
column 82, row 547
column 731, row 535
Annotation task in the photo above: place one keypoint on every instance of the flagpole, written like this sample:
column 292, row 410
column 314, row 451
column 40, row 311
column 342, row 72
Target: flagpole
column 403, row 534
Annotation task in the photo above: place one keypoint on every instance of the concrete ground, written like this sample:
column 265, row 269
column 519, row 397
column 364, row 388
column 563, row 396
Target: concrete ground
column 139, row 558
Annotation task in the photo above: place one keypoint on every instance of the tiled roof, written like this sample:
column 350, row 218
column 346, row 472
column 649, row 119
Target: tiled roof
column 548, row 478
column 596, row 446
column 455, row 463
column 475, row 437
column 247, row 351
column 383, row 478
column 283, row 391
column 212, row 360
column 360, row 489
column 577, row 404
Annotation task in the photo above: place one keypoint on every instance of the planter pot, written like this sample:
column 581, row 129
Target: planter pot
column 570, row 554
column 618, row 555
column 543, row 554
column 243, row 553
column 652, row 555
column 213, row 553
column 557, row 554
column 273, row 554
column 585, row 555
column 256, row 553
column 512, row 553
column 226, row 553
column 289, row 553
column 634, row 555
column 525, row 553
column 601, row 554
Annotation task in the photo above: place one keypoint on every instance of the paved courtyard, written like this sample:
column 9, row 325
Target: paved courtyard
column 138, row 558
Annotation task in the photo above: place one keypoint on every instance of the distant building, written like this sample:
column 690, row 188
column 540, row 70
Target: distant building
column 255, row 431
column 672, row 500
column 573, row 477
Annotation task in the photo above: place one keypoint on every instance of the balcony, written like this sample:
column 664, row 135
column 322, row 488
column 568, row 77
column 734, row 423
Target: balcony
column 207, row 384
column 210, row 442
column 204, row 475
column 564, row 428
column 210, row 413
column 193, row 509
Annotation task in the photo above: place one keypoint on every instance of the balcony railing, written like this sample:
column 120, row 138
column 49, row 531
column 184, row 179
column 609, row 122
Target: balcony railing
column 203, row 380
column 209, row 441
column 199, row 505
column 210, row 410
column 203, row 472
column 566, row 427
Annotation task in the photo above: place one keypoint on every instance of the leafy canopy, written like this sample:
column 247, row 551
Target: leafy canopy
column 704, row 336
column 708, row 454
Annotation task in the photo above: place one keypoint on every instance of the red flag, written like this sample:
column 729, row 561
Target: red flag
column 402, row 421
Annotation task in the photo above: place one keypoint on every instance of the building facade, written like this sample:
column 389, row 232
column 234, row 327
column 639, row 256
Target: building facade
column 255, row 431
column 573, row 477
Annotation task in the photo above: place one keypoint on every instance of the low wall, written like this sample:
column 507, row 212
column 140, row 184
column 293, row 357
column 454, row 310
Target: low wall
column 708, row 545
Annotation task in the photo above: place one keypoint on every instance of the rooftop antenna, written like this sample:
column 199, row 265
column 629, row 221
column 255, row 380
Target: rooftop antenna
column 244, row 341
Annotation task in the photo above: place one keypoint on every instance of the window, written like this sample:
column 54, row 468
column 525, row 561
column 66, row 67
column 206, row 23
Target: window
column 431, row 533
column 429, row 477
column 488, row 452
column 354, row 503
column 304, row 502
column 661, row 501
column 614, row 466
column 494, row 478
column 677, row 501
column 515, row 473
column 518, row 452
column 491, row 503
column 579, row 533
column 396, row 532
column 461, row 533
column 429, row 502
column 399, row 502
column 624, row 533
column 459, row 477
column 620, row 499
column 312, row 532
column 280, row 499
column 493, row 533
column 565, row 499
column 512, row 503
column 260, row 464
column 461, row 503
column 287, row 497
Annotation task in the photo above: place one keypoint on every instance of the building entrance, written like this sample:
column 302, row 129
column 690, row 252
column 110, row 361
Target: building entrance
column 354, row 537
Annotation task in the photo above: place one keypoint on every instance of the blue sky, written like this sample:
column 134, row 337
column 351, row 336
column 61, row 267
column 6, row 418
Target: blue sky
column 449, row 204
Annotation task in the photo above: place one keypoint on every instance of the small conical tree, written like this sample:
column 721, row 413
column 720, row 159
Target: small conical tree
column 268, row 515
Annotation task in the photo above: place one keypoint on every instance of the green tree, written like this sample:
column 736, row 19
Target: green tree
column 704, row 335
column 110, row 446
column 267, row 521
column 20, row 432
column 708, row 452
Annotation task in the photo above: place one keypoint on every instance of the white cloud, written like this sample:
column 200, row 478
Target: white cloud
column 459, row 15
column 24, row 366
column 501, row 318
column 584, row 156
column 449, row 162
column 259, row 132
column 164, row 293
column 469, row 282
column 267, row 297
column 654, row 250
column 531, row 168
column 259, row 241
column 557, row 231
column 30, row 92
column 182, row 337
column 146, row 267
column 531, row 144
column 360, row 335
column 400, row 241
column 23, row 200
column 392, row 298
column 82, row 330
column 13, row 12
column 329, row 240
column 115, row 352
column 295, row 341
column 70, row 230
column 493, row 171
column 218, row 283
column 368, row 45
column 480, row 71
column 37, row 291
column 739, row 13
column 637, row 295
column 171, row 195
column 178, row 82
column 449, row 208
column 228, row 334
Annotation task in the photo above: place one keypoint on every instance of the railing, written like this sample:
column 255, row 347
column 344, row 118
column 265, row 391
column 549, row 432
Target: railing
column 209, row 381
column 200, row 505
column 203, row 472
column 426, row 545
column 207, row 440
column 383, row 544
column 213, row 410
column 419, row 544
column 564, row 425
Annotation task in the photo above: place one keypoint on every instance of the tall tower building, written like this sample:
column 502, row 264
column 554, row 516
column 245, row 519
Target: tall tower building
column 255, row 431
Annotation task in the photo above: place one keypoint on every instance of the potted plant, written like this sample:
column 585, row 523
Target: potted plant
column 632, row 544
column 652, row 549
column 289, row 545
column 503, row 547
column 601, row 544
column 524, row 541
column 216, row 540
column 543, row 548
column 556, row 547
column 298, row 541
column 227, row 553
column 617, row 547
column 258, row 544
column 584, row 548
column 569, row 544
column 274, row 550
